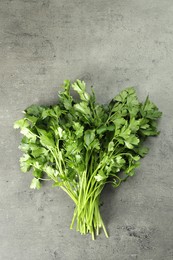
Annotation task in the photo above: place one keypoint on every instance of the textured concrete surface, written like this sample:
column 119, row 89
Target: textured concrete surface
column 111, row 44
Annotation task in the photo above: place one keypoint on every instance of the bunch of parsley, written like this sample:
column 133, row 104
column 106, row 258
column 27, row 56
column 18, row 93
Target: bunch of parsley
column 81, row 145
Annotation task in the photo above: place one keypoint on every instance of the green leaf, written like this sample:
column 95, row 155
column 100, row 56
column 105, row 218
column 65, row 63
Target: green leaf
column 105, row 128
column 80, row 87
column 120, row 161
column 136, row 158
column 102, row 129
column 78, row 129
column 124, row 94
column 89, row 137
column 149, row 132
column 100, row 176
column 111, row 127
column 24, row 147
column 95, row 144
column 22, row 124
column 46, row 138
column 125, row 132
column 47, row 141
column 66, row 86
column 25, row 163
column 32, row 119
column 38, row 164
column 131, row 141
column 37, row 173
column 46, row 113
column 29, row 134
column 66, row 101
column 38, row 151
column 60, row 131
column 111, row 146
column 134, row 125
column 57, row 111
column 142, row 151
column 149, row 110
column 34, row 110
column 50, row 172
column 35, row 184
column 83, row 108
column 128, row 145
column 130, row 170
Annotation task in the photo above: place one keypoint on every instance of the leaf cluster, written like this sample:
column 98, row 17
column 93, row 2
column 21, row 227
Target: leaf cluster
column 77, row 135
column 81, row 145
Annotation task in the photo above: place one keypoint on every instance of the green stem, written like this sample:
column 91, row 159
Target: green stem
column 87, row 213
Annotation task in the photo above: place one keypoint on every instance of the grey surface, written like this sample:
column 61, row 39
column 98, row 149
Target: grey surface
column 110, row 44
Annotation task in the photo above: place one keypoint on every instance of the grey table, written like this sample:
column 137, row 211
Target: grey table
column 110, row 44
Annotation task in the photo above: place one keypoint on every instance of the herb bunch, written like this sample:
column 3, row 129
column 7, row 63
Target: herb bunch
column 81, row 145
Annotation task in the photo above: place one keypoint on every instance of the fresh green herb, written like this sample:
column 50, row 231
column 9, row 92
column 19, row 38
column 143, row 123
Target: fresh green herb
column 81, row 145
